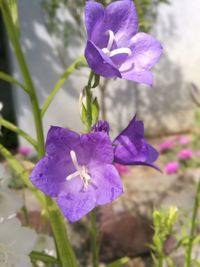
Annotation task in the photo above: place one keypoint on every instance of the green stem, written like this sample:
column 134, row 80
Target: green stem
column 193, row 227
column 93, row 234
column 66, row 254
column 93, row 224
column 17, row 130
column 7, row 78
column 25, row 73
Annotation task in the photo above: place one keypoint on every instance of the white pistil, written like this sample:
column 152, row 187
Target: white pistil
column 111, row 53
column 81, row 171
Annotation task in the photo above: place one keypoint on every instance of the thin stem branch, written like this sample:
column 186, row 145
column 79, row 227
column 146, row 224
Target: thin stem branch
column 12, row 127
column 60, row 82
column 193, row 226
column 8, row 78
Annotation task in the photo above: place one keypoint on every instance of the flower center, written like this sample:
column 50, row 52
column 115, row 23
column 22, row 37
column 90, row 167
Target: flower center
column 81, row 171
column 111, row 53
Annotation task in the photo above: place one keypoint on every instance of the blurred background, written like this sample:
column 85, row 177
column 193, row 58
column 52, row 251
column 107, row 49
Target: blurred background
column 53, row 35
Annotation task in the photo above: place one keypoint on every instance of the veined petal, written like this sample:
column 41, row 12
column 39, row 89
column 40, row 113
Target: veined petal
column 49, row 174
column 121, row 18
column 146, row 51
column 94, row 14
column 61, row 140
column 99, row 62
column 108, row 184
column 95, row 148
column 75, row 204
column 139, row 76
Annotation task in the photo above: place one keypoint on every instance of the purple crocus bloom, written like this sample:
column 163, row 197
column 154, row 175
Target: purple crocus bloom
column 130, row 146
column 77, row 171
column 115, row 48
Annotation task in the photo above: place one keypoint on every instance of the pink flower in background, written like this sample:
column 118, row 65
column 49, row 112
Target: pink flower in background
column 198, row 153
column 166, row 145
column 185, row 154
column 172, row 167
column 183, row 140
column 24, row 150
column 122, row 169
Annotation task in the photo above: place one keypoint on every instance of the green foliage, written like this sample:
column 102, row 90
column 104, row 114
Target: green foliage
column 163, row 223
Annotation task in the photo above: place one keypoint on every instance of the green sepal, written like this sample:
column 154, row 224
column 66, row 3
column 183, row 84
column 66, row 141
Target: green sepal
column 95, row 111
column 96, row 81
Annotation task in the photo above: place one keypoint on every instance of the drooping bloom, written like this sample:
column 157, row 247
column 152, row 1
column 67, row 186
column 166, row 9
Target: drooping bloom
column 130, row 146
column 115, row 48
column 16, row 243
column 78, row 171
column 172, row 167
column 185, row 154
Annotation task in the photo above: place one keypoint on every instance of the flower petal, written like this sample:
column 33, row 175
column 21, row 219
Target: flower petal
column 95, row 148
column 61, row 140
column 130, row 147
column 146, row 51
column 139, row 76
column 99, row 62
column 77, row 203
column 107, row 182
column 94, row 14
column 49, row 174
column 121, row 18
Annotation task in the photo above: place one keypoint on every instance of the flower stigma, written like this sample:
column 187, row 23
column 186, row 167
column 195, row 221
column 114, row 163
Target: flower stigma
column 111, row 53
column 81, row 171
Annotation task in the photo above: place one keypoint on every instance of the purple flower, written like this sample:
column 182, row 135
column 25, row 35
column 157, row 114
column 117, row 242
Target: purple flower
column 130, row 146
column 185, row 154
column 77, row 171
column 172, row 167
column 114, row 47
column 101, row 126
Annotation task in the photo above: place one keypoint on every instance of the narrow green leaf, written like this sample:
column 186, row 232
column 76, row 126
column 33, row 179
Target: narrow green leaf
column 196, row 263
column 95, row 111
column 83, row 114
column 119, row 263
column 96, row 80
column 39, row 256
column 7, row 78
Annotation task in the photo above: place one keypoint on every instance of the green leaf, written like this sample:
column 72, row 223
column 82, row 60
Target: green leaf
column 119, row 263
column 39, row 256
column 95, row 111
column 96, row 80
column 83, row 114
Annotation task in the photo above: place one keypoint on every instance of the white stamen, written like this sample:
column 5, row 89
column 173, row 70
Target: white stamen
column 111, row 39
column 123, row 50
column 111, row 53
column 81, row 171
